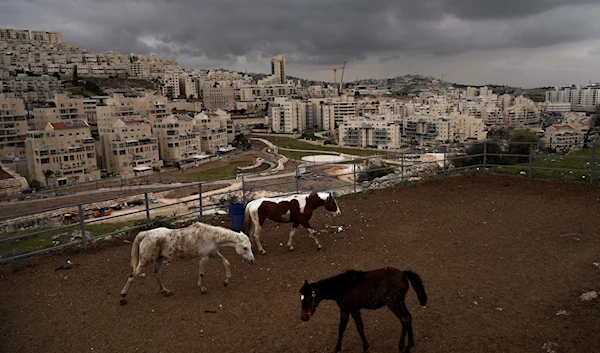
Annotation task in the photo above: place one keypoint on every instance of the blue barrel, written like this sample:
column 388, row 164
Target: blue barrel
column 236, row 214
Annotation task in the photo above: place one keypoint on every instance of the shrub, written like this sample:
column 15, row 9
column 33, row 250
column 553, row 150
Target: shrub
column 35, row 184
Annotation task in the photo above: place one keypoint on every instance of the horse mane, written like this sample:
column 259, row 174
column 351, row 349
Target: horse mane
column 218, row 232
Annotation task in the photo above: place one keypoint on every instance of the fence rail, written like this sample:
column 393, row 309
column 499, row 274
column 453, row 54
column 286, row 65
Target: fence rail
column 194, row 201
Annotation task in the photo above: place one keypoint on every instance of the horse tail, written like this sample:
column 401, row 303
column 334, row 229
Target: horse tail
column 417, row 284
column 247, row 221
column 135, row 249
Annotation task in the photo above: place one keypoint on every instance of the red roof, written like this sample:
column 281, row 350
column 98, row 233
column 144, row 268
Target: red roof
column 131, row 121
column 559, row 127
column 76, row 124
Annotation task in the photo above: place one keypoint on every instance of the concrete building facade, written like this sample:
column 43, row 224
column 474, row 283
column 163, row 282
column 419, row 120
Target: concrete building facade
column 66, row 150
column 13, row 128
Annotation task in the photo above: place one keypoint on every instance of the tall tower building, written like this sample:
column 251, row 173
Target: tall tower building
column 278, row 68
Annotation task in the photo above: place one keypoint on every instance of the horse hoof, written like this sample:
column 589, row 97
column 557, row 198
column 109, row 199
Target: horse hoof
column 203, row 290
column 319, row 248
column 123, row 301
column 225, row 283
column 291, row 248
column 263, row 251
column 166, row 293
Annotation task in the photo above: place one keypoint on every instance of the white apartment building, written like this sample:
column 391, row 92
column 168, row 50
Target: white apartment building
column 466, row 127
column 331, row 112
column 130, row 146
column 215, row 130
column 139, row 69
column 261, row 92
column 577, row 96
column 559, row 107
column 153, row 108
column 422, row 128
column 170, row 85
column 187, row 87
column 13, row 128
column 177, row 138
column 523, row 112
column 218, row 98
column 64, row 148
column 287, row 115
column 278, row 68
column 373, row 132
column 60, row 108
column 563, row 137
column 31, row 88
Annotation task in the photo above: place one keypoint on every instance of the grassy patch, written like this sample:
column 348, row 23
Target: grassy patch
column 44, row 240
column 577, row 165
column 297, row 155
column 215, row 173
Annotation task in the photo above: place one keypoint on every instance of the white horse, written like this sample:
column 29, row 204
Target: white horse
column 199, row 239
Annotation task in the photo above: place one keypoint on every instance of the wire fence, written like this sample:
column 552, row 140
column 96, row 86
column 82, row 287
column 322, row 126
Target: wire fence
column 37, row 232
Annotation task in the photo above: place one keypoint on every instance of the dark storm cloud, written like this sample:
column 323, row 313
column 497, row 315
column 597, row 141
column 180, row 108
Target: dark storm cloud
column 307, row 32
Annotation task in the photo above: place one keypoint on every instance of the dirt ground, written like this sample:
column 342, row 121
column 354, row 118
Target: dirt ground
column 504, row 260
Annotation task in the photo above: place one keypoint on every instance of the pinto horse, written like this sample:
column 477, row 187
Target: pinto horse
column 296, row 208
column 199, row 239
column 355, row 290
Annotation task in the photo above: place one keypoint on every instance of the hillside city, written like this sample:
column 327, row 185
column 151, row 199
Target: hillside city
column 69, row 115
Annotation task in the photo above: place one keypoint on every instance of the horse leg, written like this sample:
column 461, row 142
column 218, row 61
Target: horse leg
column 313, row 234
column 292, row 232
column 136, row 272
column 360, row 328
column 257, row 230
column 401, row 311
column 218, row 255
column 158, row 271
column 344, row 315
column 202, row 261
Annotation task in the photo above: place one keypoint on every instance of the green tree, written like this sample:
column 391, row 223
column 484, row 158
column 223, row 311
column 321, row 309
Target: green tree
column 520, row 145
column 94, row 88
column 35, row 184
column 240, row 141
column 75, row 80
column 47, row 174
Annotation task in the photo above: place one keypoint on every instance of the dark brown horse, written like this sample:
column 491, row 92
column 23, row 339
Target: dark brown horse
column 296, row 208
column 355, row 290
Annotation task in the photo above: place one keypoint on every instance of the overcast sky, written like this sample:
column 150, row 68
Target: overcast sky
column 527, row 43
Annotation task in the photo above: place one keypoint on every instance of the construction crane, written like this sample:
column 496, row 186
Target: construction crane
column 342, row 80
column 335, row 69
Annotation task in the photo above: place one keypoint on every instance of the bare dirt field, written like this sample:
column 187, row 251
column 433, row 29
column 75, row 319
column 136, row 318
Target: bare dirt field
column 504, row 260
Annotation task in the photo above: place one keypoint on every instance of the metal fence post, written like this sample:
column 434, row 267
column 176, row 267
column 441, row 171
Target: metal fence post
column 200, row 201
column 530, row 158
column 297, row 177
column 593, row 167
column 402, row 171
column 484, row 156
column 243, row 190
column 354, row 171
column 445, row 168
column 147, row 208
column 82, row 227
